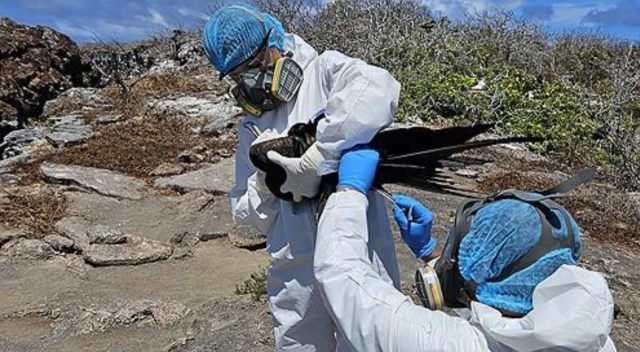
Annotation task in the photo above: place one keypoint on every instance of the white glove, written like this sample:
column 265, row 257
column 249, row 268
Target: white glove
column 302, row 173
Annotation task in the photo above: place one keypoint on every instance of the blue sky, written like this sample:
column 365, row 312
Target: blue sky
column 127, row 20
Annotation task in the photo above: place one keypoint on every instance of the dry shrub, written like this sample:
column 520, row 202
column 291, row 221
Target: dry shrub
column 139, row 146
column 256, row 285
column 133, row 102
column 35, row 210
column 29, row 172
column 168, row 84
column 65, row 105
column 601, row 211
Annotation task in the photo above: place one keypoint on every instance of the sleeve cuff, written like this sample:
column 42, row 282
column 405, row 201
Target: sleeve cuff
column 428, row 249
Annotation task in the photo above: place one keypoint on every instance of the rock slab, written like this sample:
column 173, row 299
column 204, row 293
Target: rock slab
column 28, row 249
column 135, row 252
column 75, row 228
column 104, row 182
column 217, row 179
column 91, row 320
column 8, row 234
column 61, row 244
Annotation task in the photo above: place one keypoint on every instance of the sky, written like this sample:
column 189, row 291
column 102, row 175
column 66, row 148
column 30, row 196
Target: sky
column 128, row 20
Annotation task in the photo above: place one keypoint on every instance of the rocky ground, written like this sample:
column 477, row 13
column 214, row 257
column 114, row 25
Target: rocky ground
column 115, row 232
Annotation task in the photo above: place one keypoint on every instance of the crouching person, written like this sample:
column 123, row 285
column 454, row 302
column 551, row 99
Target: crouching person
column 508, row 267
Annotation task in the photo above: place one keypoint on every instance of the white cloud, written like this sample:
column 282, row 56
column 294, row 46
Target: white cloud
column 572, row 14
column 155, row 17
column 512, row 5
column 456, row 8
column 187, row 12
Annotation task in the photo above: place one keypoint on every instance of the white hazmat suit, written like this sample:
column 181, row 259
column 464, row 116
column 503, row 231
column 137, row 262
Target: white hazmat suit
column 573, row 308
column 359, row 100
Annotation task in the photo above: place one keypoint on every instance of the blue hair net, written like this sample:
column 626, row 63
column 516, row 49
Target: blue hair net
column 501, row 233
column 235, row 32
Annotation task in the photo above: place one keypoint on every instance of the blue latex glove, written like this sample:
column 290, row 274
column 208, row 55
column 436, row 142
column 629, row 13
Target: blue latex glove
column 415, row 222
column 358, row 168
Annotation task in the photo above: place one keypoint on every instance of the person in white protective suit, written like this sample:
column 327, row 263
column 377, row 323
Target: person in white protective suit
column 550, row 305
column 279, row 80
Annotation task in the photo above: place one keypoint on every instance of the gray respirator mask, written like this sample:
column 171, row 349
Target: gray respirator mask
column 264, row 88
column 258, row 90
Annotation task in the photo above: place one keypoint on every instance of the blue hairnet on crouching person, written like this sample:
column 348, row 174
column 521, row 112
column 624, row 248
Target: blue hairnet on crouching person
column 280, row 80
column 510, row 273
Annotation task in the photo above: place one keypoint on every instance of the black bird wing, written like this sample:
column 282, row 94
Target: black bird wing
column 409, row 156
column 400, row 141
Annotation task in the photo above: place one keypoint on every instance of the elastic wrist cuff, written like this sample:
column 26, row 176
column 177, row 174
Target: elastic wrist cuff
column 349, row 185
column 428, row 248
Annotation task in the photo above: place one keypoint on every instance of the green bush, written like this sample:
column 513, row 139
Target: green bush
column 580, row 91
column 256, row 285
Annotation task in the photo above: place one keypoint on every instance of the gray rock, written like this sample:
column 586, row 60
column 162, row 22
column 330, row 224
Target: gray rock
column 467, row 173
column 67, row 135
column 195, row 202
column 249, row 241
column 212, row 235
column 7, row 178
column 167, row 170
column 218, row 126
column 217, row 109
column 217, row 179
column 61, row 244
column 8, row 234
column 108, row 119
column 105, row 235
column 28, row 249
column 186, row 238
column 136, row 251
column 18, row 142
column 7, row 165
column 96, row 319
column 70, row 119
column 8, row 117
column 75, row 228
column 87, row 98
column 101, row 181
column 190, row 157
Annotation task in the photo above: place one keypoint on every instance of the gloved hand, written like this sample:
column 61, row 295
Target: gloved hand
column 358, row 168
column 302, row 173
column 415, row 222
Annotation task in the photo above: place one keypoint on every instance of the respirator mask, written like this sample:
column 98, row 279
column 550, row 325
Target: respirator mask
column 265, row 85
column 440, row 283
column 428, row 288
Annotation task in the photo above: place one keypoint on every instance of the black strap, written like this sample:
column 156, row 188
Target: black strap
column 547, row 241
column 582, row 177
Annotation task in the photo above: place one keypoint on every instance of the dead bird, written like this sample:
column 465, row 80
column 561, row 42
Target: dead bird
column 411, row 156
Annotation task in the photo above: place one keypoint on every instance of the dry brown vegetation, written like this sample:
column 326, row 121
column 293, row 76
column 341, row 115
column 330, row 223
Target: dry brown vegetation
column 35, row 211
column 145, row 139
column 139, row 146
column 601, row 211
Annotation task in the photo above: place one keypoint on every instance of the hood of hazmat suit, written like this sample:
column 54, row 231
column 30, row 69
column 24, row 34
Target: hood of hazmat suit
column 572, row 308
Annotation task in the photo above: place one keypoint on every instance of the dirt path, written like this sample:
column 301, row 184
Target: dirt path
column 44, row 305
column 186, row 302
